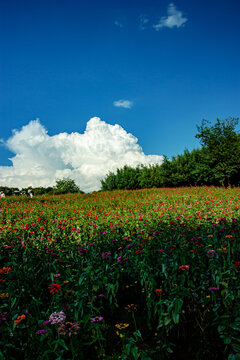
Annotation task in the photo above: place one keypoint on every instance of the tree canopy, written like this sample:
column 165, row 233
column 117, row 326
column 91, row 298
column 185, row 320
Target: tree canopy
column 216, row 163
column 66, row 186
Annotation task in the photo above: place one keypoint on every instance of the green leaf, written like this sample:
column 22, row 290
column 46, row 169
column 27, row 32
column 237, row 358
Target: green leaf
column 227, row 340
column 236, row 347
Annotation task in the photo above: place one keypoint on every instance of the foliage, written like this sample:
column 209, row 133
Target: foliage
column 216, row 163
column 66, row 186
column 147, row 274
column 222, row 143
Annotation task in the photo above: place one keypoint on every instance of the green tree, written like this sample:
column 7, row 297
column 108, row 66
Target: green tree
column 66, row 186
column 221, row 142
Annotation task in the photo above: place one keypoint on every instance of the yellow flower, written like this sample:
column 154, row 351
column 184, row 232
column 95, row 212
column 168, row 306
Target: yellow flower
column 121, row 326
column 4, row 295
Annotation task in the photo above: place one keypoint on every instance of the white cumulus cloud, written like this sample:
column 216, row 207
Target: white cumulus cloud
column 40, row 159
column 123, row 103
column 174, row 18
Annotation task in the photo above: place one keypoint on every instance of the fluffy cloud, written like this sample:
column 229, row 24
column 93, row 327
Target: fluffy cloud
column 40, row 159
column 123, row 103
column 174, row 18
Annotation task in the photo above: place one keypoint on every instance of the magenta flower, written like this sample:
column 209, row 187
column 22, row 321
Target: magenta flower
column 106, row 255
column 42, row 331
column 96, row 319
column 211, row 253
column 119, row 259
column 3, row 316
column 46, row 322
column 213, row 288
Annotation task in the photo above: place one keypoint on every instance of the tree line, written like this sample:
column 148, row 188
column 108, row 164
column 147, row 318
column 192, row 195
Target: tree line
column 62, row 186
column 217, row 163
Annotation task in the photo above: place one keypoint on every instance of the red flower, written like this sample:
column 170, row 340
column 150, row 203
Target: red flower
column 54, row 288
column 5, row 270
column 184, row 267
column 237, row 265
column 159, row 291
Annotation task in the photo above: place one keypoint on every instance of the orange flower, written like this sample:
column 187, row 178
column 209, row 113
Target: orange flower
column 19, row 319
column 5, row 270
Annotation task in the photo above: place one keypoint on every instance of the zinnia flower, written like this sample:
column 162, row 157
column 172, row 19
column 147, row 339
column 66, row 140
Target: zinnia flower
column 54, row 288
column 5, row 270
column 96, row 319
column 184, row 267
column 211, row 253
column 130, row 308
column 122, row 326
column 3, row 316
column 106, row 255
column 237, row 265
column 57, row 317
column 68, row 329
column 42, row 331
column 19, row 319
column 158, row 291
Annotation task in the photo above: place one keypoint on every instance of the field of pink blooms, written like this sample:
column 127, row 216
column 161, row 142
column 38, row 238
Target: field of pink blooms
column 147, row 274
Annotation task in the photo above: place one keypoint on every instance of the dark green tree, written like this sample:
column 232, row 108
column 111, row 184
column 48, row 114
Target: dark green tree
column 221, row 143
column 66, row 186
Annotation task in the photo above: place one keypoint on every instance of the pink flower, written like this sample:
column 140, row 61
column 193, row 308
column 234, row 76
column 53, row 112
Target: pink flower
column 184, row 267
column 68, row 329
column 96, row 319
column 57, row 317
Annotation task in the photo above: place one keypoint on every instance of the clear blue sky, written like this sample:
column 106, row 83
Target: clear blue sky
column 65, row 61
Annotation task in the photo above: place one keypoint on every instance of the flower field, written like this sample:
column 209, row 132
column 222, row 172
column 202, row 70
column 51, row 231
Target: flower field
column 147, row 274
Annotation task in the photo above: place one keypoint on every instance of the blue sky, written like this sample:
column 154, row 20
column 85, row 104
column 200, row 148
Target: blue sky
column 67, row 61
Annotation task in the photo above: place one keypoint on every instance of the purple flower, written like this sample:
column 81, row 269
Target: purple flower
column 119, row 259
column 213, row 288
column 82, row 250
column 42, row 331
column 46, row 322
column 3, row 316
column 96, row 319
column 211, row 253
column 106, row 255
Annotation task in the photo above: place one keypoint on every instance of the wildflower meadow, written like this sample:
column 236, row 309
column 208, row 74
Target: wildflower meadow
column 145, row 274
